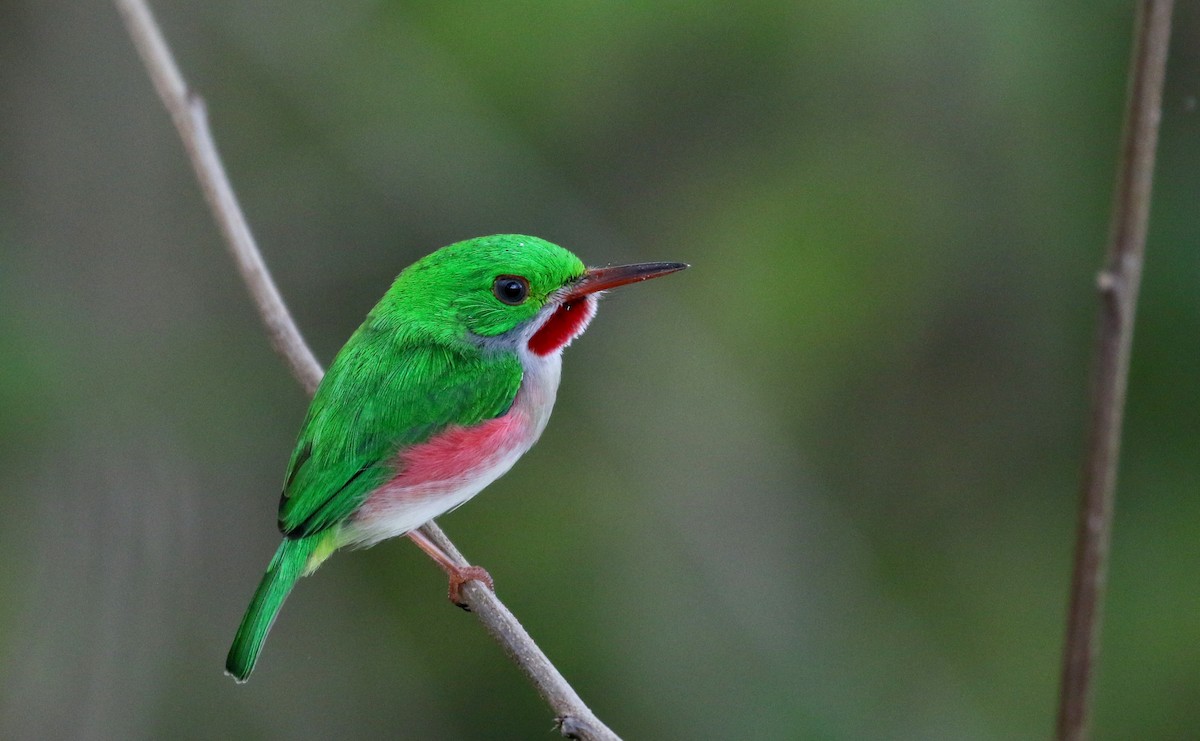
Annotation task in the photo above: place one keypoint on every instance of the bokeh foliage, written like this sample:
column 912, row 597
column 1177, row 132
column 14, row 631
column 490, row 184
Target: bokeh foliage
column 820, row 486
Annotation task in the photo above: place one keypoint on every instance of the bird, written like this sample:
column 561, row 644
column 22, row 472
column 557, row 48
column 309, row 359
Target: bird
column 449, row 380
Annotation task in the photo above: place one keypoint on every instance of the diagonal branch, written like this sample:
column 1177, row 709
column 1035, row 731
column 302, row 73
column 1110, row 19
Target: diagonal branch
column 573, row 717
column 191, row 120
column 1118, row 285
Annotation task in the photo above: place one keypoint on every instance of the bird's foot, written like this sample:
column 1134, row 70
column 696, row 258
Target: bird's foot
column 460, row 575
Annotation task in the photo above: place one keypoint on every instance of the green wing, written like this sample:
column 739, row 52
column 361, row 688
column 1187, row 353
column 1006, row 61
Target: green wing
column 377, row 398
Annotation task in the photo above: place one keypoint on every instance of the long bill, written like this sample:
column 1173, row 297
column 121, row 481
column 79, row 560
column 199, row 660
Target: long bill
column 602, row 279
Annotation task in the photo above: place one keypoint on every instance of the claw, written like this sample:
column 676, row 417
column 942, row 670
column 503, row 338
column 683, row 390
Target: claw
column 460, row 576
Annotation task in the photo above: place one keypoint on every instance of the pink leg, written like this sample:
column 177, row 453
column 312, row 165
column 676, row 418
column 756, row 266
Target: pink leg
column 459, row 575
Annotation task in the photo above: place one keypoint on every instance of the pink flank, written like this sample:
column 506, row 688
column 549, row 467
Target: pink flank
column 454, row 455
column 440, row 474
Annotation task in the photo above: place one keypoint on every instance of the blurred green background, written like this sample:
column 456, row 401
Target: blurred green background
column 820, row 486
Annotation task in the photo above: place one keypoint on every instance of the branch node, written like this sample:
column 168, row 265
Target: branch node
column 1118, row 287
column 196, row 102
column 570, row 726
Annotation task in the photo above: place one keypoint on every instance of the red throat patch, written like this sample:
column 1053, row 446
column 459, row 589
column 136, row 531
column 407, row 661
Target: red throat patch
column 564, row 325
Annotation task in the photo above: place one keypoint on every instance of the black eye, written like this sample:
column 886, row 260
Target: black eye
column 511, row 289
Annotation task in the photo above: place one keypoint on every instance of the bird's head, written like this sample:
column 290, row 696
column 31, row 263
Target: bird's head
column 507, row 291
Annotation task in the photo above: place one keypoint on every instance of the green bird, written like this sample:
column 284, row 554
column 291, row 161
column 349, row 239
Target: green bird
column 446, row 384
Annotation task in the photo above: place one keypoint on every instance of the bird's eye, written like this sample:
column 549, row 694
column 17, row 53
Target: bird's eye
column 511, row 289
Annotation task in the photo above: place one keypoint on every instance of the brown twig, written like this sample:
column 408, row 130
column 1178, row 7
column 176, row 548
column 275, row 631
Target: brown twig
column 1118, row 285
column 573, row 718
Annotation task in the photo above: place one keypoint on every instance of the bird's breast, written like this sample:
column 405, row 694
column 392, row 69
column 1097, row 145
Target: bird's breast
column 456, row 464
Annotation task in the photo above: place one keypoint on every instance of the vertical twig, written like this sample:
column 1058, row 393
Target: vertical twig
column 573, row 718
column 1118, row 284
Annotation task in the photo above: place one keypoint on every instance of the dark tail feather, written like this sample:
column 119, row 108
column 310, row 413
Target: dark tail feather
column 288, row 565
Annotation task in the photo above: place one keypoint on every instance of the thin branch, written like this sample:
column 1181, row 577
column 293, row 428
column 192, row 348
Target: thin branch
column 191, row 120
column 1118, row 285
column 573, row 718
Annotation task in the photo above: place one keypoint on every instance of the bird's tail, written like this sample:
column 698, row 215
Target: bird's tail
column 294, row 559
